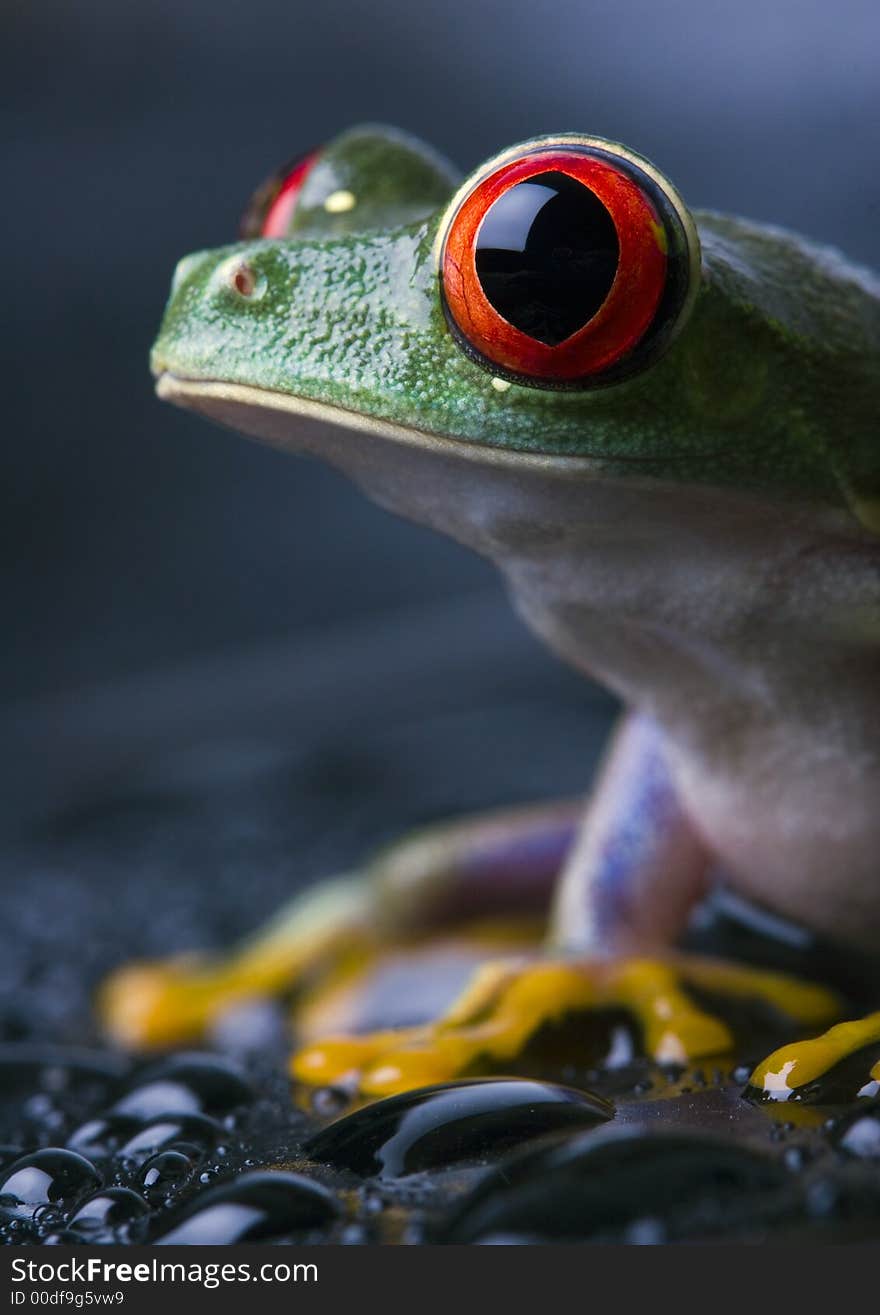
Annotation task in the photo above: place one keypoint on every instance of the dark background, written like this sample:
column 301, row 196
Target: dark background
column 134, row 535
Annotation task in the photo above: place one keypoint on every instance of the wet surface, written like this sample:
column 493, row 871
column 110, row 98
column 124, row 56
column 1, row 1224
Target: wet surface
column 200, row 839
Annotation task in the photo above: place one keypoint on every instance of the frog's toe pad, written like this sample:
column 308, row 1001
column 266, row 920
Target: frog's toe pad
column 806, row 1070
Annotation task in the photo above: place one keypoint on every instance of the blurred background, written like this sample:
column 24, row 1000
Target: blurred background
column 168, row 588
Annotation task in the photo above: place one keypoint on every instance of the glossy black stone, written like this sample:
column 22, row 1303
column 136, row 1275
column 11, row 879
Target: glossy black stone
column 546, row 255
column 610, row 1184
column 47, row 1177
column 253, row 1208
column 189, row 1083
column 440, row 1125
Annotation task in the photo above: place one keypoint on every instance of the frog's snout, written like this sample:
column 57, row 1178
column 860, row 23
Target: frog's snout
column 184, row 268
column 205, row 290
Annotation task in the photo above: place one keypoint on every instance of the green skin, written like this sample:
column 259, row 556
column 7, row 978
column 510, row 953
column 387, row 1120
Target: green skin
column 702, row 537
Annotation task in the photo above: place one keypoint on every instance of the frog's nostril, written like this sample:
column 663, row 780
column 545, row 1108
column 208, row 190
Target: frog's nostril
column 243, row 279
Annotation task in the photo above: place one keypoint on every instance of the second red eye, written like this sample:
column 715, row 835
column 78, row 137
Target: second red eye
column 556, row 267
column 271, row 208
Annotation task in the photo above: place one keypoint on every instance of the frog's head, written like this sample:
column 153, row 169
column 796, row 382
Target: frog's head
column 553, row 314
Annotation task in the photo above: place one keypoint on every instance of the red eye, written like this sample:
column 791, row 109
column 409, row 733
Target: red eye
column 568, row 266
column 271, row 208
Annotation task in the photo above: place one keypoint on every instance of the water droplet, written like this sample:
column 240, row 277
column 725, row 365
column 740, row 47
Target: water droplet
column 645, row 1232
column 99, row 1138
column 112, row 1209
column 38, row 1106
column 47, row 1177
column 453, row 1121
column 822, row 1198
column 253, row 1208
column 327, row 1101
column 165, row 1173
column 794, row 1158
column 195, row 1129
column 859, row 1133
column 188, row 1083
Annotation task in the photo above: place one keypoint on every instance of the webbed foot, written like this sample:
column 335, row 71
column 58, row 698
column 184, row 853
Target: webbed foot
column 797, row 1071
column 509, row 1000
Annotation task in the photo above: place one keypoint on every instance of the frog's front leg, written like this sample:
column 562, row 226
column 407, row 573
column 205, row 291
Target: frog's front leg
column 503, row 861
column 633, row 875
column 798, row 1071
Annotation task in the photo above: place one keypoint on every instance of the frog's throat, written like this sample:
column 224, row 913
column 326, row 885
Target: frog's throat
column 322, row 429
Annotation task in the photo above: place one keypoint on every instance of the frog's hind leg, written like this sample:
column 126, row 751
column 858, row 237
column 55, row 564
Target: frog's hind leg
column 500, row 862
column 631, row 879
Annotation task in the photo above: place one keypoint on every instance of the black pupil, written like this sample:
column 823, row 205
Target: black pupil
column 546, row 256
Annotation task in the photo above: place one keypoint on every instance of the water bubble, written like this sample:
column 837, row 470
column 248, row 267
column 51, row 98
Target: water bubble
column 102, row 1137
column 858, row 1134
column 189, row 1083
column 164, row 1173
column 47, row 1177
column 103, row 1214
column 253, row 1208
column 195, row 1130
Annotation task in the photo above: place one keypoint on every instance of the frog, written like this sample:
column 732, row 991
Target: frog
column 661, row 426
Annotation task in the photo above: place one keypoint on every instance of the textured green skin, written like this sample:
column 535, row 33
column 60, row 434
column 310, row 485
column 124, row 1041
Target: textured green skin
column 772, row 385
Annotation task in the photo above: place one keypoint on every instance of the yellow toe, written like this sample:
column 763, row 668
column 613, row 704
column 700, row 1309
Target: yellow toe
column 146, row 1005
column 342, row 1060
column 785, row 1073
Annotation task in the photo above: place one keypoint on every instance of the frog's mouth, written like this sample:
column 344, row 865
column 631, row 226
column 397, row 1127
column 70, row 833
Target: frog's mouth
column 274, row 417
column 299, row 424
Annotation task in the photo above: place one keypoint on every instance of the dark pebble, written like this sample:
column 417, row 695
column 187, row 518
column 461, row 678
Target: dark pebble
column 189, row 1083
column 47, row 1177
column 602, row 1184
column 439, row 1125
column 253, row 1208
